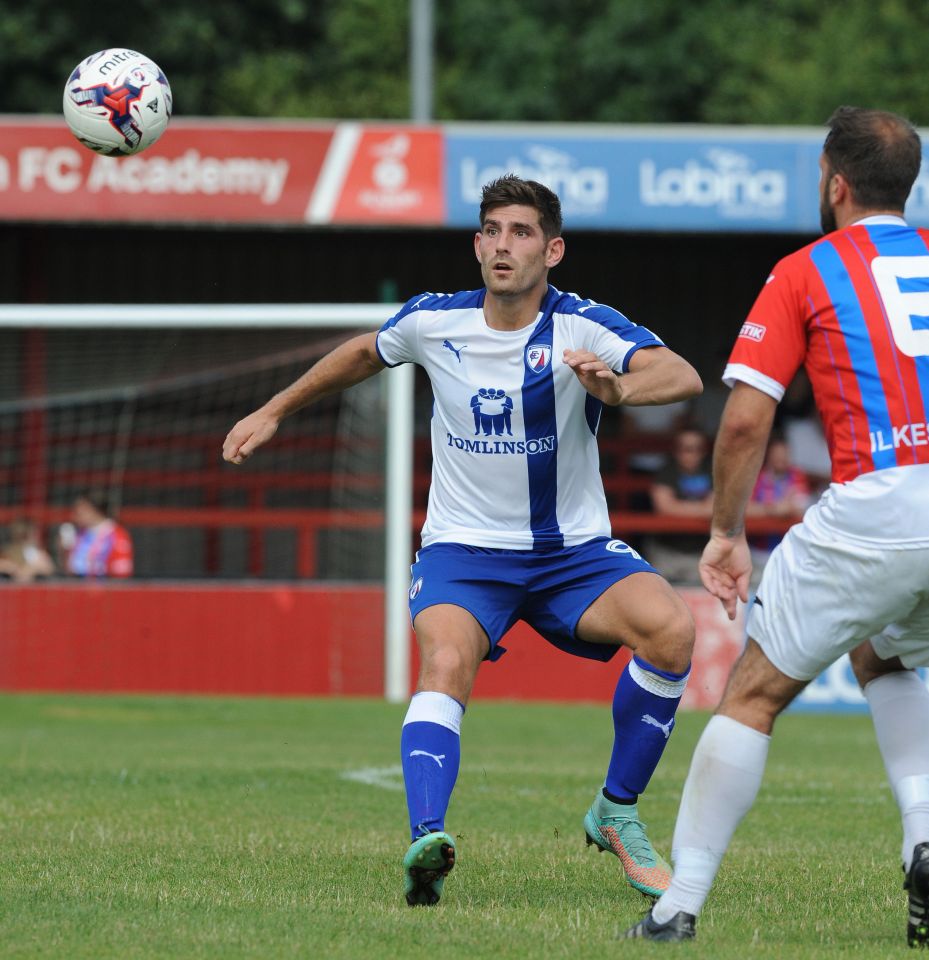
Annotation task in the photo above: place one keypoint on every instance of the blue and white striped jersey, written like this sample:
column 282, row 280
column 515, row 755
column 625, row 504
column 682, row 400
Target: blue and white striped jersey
column 514, row 434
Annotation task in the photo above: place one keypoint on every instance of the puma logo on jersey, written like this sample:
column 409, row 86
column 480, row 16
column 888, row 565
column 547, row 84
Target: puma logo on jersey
column 456, row 350
column 424, row 753
column 665, row 728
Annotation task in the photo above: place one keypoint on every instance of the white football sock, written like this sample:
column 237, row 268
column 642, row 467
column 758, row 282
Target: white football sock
column 725, row 774
column 899, row 705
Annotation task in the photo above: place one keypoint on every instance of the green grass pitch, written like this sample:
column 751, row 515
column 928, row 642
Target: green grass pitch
column 199, row 827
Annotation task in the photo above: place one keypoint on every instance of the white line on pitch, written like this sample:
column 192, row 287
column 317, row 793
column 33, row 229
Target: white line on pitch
column 388, row 778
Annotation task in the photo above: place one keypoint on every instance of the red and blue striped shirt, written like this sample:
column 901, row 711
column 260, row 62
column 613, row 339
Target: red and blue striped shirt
column 853, row 309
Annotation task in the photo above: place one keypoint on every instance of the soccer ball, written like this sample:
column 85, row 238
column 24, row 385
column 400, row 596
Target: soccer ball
column 117, row 102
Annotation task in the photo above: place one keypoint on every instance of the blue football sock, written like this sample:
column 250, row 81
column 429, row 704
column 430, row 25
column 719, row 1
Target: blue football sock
column 644, row 705
column 430, row 751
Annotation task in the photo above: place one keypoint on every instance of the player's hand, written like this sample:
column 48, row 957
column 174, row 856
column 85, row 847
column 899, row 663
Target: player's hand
column 248, row 435
column 596, row 377
column 725, row 569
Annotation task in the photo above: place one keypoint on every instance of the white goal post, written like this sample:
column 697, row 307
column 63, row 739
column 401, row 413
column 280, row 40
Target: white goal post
column 399, row 427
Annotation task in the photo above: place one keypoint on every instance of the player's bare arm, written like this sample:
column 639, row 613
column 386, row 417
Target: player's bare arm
column 656, row 375
column 738, row 453
column 349, row 363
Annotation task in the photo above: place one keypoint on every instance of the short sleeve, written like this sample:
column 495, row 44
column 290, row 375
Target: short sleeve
column 771, row 345
column 612, row 336
column 398, row 340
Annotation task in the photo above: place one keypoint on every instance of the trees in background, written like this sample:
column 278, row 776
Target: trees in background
column 708, row 61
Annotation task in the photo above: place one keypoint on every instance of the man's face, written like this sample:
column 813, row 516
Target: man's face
column 826, row 211
column 690, row 450
column 778, row 459
column 83, row 514
column 514, row 255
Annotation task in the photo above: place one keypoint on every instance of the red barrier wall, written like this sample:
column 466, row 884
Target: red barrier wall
column 281, row 640
column 231, row 639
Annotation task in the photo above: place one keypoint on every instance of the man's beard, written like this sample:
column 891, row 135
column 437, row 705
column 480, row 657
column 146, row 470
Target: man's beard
column 827, row 216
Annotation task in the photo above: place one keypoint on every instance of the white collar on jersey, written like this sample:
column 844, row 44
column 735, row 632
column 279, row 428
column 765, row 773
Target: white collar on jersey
column 879, row 218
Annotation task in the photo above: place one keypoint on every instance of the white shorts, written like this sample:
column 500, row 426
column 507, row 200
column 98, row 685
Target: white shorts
column 825, row 590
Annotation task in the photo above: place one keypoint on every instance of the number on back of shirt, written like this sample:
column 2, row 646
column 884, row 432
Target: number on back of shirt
column 903, row 283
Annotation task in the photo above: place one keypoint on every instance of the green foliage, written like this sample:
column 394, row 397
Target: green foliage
column 137, row 827
column 717, row 61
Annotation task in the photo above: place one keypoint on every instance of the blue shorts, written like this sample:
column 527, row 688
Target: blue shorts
column 549, row 590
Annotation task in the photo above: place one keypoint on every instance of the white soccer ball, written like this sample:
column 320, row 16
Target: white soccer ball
column 117, row 102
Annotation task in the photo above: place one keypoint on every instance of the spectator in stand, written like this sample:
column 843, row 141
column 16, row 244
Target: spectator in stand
column 682, row 488
column 645, row 429
column 95, row 545
column 23, row 558
column 782, row 490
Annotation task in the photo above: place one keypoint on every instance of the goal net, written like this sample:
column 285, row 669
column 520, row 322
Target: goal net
column 137, row 415
column 131, row 405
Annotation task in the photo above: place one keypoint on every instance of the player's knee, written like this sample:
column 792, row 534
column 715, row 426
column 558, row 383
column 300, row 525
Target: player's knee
column 670, row 646
column 447, row 665
column 868, row 666
column 862, row 667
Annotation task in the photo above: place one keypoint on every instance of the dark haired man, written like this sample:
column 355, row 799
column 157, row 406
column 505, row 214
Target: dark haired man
column 517, row 525
column 854, row 575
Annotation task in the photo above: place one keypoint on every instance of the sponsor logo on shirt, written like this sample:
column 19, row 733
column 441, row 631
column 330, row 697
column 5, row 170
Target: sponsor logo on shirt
column 909, row 435
column 753, row 331
column 492, row 409
column 539, row 445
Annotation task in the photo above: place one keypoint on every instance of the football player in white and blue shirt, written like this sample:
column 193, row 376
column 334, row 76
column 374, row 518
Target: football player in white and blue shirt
column 517, row 526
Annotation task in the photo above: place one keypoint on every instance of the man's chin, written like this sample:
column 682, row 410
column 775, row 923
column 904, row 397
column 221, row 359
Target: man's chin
column 503, row 286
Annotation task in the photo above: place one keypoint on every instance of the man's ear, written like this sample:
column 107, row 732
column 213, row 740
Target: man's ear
column 555, row 251
column 839, row 190
column 477, row 245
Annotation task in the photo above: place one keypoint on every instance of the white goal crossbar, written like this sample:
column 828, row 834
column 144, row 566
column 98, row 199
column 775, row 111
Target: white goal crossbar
column 398, row 517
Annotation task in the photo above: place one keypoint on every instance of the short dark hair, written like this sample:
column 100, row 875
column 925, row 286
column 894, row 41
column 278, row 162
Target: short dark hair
column 511, row 189
column 878, row 153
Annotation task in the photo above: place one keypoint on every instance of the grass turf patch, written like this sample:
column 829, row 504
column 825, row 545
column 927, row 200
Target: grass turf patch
column 206, row 827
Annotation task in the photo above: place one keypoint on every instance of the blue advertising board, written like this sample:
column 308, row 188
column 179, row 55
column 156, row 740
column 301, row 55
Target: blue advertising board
column 653, row 178
column 836, row 691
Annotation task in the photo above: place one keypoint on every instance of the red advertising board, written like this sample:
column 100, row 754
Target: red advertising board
column 389, row 175
column 236, row 171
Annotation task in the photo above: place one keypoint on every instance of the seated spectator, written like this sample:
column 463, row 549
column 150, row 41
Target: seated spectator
column 782, row 490
column 683, row 487
column 95, row 545
column 23, row 558
column 645, row 425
